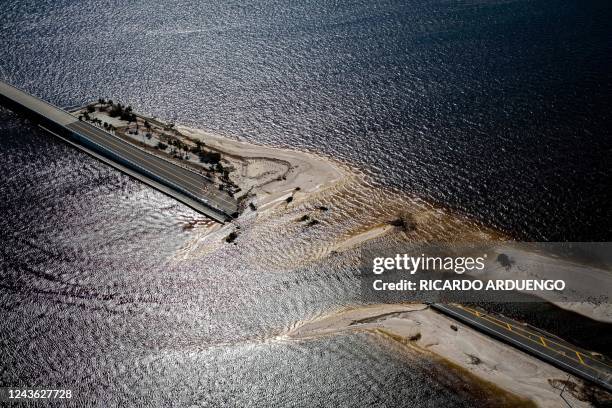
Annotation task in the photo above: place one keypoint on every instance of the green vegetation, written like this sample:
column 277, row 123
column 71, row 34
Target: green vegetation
column 124, row 113
column 206, row 156
column 162, row 146
column 178, row 144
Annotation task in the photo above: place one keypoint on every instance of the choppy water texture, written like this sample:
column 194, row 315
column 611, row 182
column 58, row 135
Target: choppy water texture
column 498, row 109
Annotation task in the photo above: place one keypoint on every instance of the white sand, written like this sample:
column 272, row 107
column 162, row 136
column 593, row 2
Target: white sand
column 269, row 174
column 484, row 357
column 273, row 174
column 360, row 238
column 583, row 281
column 259, row 167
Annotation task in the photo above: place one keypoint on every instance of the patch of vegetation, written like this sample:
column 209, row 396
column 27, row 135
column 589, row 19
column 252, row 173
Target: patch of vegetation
column 313, row 222
column 231, row 237
column 252, row 206
column 123, row 112
column 323, row 208
column 305, row 217
column 505, row 261
column 162, row 146
column 289, row 199
column 178, row 144
column 207, row 156
column 398, row 222
column 115, row 110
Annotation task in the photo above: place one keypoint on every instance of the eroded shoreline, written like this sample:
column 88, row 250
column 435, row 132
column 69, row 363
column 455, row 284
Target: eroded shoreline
column 296, row 195
column 425, row 331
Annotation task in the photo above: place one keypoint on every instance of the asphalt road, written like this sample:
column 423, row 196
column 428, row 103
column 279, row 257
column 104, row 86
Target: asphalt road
column 190, row 181
column 171, row 175
column 547, row 347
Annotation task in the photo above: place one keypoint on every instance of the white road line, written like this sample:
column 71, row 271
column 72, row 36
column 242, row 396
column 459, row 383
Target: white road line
column 202, row 208
column 179, row 188
column 512, row 340
column 150, row 160
column 101, row 138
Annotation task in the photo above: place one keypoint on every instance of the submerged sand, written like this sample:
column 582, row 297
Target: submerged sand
column 314, row 182
column 300, row 195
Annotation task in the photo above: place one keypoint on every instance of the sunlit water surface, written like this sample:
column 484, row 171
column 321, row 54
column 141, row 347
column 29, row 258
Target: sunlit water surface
column 496, row 109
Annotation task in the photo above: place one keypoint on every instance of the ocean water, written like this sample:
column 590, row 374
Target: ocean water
column 96, row 297
column 496, row 109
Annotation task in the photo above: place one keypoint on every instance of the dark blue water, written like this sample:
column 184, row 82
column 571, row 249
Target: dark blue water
column 498, row 109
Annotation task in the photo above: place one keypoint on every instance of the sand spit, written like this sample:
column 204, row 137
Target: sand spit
column 271, row 174
column 258, row 176
column 301, row 208
column 331, row 211
column 426, row 331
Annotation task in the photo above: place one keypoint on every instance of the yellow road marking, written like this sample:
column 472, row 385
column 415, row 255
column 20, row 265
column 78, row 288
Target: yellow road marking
column 543, row 342
column 506, row 325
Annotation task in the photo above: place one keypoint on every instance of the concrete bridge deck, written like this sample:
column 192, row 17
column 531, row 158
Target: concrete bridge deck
column 187, row 186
